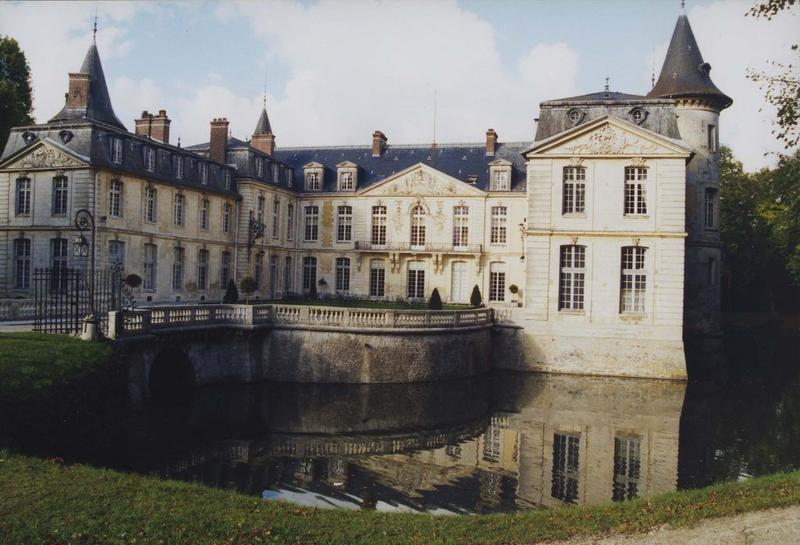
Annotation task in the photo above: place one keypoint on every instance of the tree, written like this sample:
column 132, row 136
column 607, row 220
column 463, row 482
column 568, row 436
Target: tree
column 435, row 302
column 248, row 286
column 231, row 296
column 475, row 298
column 16, row 102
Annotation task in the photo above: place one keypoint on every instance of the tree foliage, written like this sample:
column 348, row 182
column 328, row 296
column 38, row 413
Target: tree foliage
column 231, row 293
column 16, row 102
column 475, row 298
column 435, row 302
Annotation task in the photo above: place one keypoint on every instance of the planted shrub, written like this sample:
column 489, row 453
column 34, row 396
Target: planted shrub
column 435, row 302
column 475, row 299
column 248, row 286
column 133, row 280
column 513, row 289
column 231, row 293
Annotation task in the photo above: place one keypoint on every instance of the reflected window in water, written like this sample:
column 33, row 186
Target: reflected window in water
column 566, row 451
column 493, row 439
column 627, row 461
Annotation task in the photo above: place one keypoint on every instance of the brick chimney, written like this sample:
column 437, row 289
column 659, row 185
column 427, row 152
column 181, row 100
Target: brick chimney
column 264, row 142
column 378, row 143
column 218, row 144
column 78, row 95
column 160, row 127
column 491, row 142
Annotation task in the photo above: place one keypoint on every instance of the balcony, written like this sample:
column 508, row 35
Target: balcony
column 408, row 248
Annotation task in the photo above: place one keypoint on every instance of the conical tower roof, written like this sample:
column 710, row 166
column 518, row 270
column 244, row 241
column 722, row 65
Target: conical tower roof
column 98, row 103
column 263, row 126
column 685, row 74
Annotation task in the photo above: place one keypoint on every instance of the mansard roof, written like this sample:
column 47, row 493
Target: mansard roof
column 244, row 157
column 597, row 97
column 685, row 74
column 98, row 103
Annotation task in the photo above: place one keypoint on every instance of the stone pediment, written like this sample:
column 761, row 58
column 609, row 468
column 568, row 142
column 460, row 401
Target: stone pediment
column 609, row 136
column 421, row 180
column 43, row 155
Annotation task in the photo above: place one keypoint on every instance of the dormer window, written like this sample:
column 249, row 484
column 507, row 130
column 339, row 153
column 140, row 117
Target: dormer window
column 226, row 177
column 259, row 167
column 179, row 167
column 638, row 115
column 116, row 150
column 202, row 173
column 575, row 116
column 347, row 176
column 500, row 175
column 472, row 179
column 149, row 159
column 313, row 176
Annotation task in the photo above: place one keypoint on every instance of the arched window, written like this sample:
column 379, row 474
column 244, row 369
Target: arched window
column 418, row 226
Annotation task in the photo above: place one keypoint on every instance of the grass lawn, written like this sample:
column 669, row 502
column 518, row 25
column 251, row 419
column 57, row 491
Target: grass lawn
column 33, row 363
column 45, row 502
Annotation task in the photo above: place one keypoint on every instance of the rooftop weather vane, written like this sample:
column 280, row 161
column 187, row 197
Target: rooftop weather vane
column 94, row 30
column 265, row 87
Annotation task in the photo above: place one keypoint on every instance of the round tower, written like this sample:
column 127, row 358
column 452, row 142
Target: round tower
column 686, row 78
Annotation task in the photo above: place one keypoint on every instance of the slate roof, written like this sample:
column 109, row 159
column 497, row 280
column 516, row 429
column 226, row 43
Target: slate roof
column 685, row 74
column 461, row 161
column 263, row 126
column 597, row 97
column 98, row 103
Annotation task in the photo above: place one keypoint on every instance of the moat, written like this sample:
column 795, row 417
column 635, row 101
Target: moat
column 498, row 442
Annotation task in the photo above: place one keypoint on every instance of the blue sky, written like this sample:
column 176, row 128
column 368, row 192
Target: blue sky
column 337, row 70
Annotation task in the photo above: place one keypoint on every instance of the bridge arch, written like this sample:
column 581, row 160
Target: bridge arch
column 171, row 375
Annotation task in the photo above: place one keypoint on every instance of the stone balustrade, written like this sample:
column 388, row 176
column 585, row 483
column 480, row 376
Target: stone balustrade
column 17, row 309
column 130, row 323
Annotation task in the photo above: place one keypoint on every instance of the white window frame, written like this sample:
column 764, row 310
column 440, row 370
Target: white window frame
column 179, row 167
column 276, row 218
column 499, row 226
column 710, row 208
column 202, row 269
column 344, row 223
column 311, row 225
column 178, row 259
column 377, row 278
column 205, row 209
column 309, row 273
column 149, row 159
column 573, row 197
column 150, row 267
column 418, row 223
column 633, row 280
column 290, row 221
column 460, row 226
column 497, row 282
column 342, row 282
column 115, row 199
column 226, row 217
column 60, row 196
column 24, row 196
column 22, row 263
column 572, row 278
column 150, row 204
column 378, row 237
column 313, row 180
column 635, row 191
column 116, row 151
column 179, row 210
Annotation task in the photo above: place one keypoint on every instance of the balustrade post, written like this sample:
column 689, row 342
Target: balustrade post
column 212, row 314
column 305, row 315
column 427, row 317
column 347, row 317
column 249, row 312
column 115, row 324
column 390, row 318
column 456, row 318
column 147, row 321
column 167, row 316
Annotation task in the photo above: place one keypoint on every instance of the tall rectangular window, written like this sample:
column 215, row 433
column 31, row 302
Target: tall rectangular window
column 116, row 151
column 202, row 269
column 460, row 226
column 23, row 200
column 290, row 222
column 226, row 217
column 116, row 255
column 574, row 191
column 261, row 203
column 179, row 210
column 288, row 275
column 500, row 180
column 344, row 224
column 346, row 181
column 497, row 282
column 377, row 278
column 309, row 273
column 379, row 225
column 22, row 263
column 416, row 280
column 635, row 191
column 712, row 138
column 150, row 204
column 259, row 274
column 312, row 223
column 58, row 264
column 224, row 269
column 179, row 167
column 499, row 225
column 711, row 272
column 418, row 227
column 634, row 280
column 177, row 269
column 60, row 196
column 226, row 177
column 572, row 270
column 627, row 465
column 566, row 456
column 205, row 204
column 276, row 218
column 710, row 208
column 149, row 159
column 342, row 274
column 259, row 167
column 115, row 199
column 150, row 267
column 313, row 181
column 202, row 172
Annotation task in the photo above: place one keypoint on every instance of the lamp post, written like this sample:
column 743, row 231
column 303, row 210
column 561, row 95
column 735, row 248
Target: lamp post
column 84, row 221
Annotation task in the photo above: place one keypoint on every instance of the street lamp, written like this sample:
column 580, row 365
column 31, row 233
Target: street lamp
column 81, row 247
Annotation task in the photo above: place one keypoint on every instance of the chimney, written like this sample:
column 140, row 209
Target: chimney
column 378, row 143
column 143, row 125
column 160, row 127
column 491, row 142
column 264, row 142
column 78, row 96
column 218, row 144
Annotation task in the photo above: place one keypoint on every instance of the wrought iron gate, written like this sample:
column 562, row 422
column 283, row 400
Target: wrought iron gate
column 64, row 297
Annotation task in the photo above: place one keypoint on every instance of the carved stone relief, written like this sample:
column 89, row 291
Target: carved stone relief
column 420, row 182
column 44, row 157
column 609, row 140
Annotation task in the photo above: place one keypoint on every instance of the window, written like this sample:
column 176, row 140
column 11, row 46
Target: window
column 497, row 282
column 276, row 171
column 261, row 203
column 202, row 269
column 312, row 223
column 309, row 273
column 379, row 225
column 226, row 217
column 710, row 205
column 259, row 167
column 204, row 207
column 116, row 151
column 226, row 177
column 60, row 196
column 273, row 276
column 711, row 272
column 259, row 268
column 460, row 226
column 346, row 181
column 344, row 224
column 635, row 191
column 22, row 263
column 566, row 452
column 312, row 181
column 418, row 226
column 276, row 218
column 712, row 138
column 150, row 267
column 634, row 280
column 500, row 179
column 149, row 159
column 178, row 211
column 290, row 222
column 179, row 167
column 574, row 191
column 416, row 280
column 202, row 172
column 150, row 204
column 177, row 269
column 115, row 199
column 23, row 196
column 572, row 268
column 638, row 115
column 288, row 275
column 58, row 264
column 499, row 225
column 224, row 269
column 627, row 462
column 342, row 274
column 377, row 278
column 116, row 255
